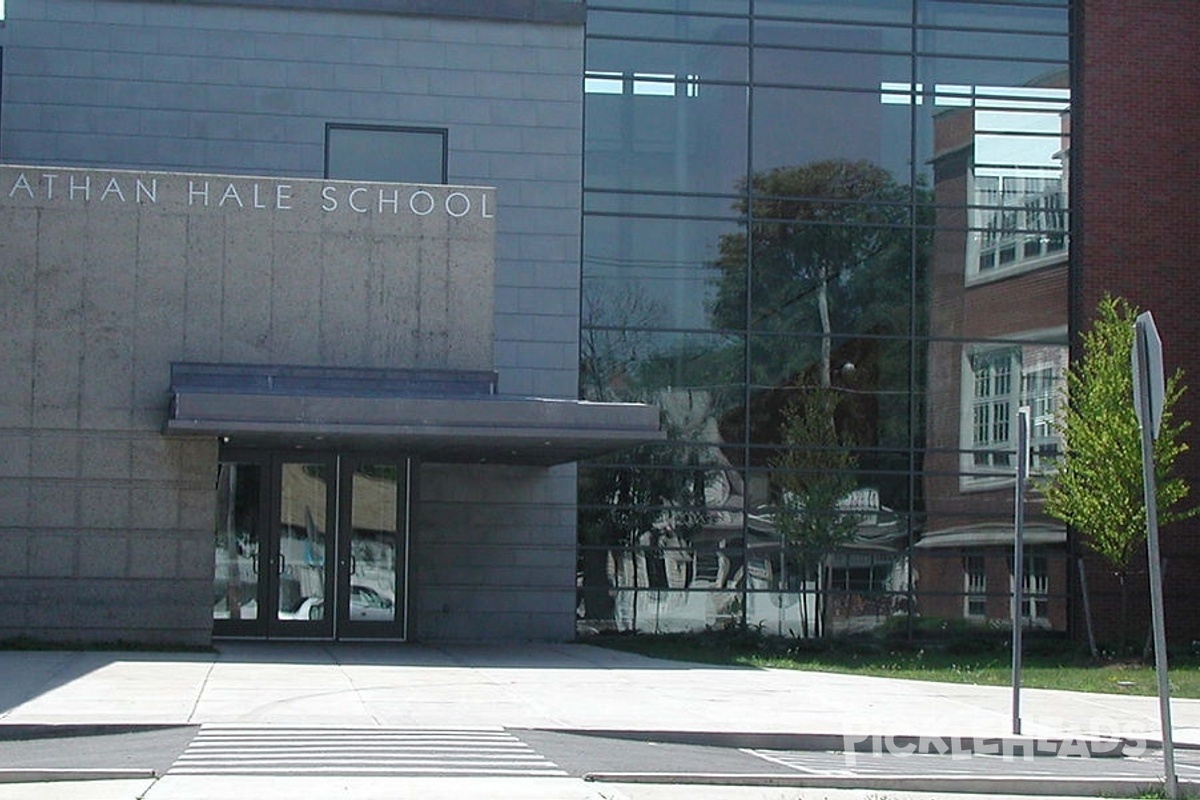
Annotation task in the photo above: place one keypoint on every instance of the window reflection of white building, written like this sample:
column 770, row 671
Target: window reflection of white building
column 1000, row 379
column 672, row 581
column 1018, row 180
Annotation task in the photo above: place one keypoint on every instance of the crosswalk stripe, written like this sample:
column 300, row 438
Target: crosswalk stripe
column 245, row 750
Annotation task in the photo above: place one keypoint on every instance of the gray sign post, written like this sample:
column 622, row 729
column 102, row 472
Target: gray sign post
column 1018, row 595
column 1149, row 390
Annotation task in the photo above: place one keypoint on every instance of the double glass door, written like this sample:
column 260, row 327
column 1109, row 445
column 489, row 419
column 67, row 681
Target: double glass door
column 310, row 546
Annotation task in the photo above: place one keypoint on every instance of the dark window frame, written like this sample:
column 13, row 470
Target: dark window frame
column 343, row 126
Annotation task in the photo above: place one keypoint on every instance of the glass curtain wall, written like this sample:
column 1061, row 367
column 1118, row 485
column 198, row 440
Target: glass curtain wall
column 828, row 239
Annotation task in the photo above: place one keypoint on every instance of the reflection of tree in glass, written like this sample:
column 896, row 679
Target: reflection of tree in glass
column 383, row 472
column 830, row 245
column 624, row 499
column 613, row 340
column 836, row 259
column 814, row 476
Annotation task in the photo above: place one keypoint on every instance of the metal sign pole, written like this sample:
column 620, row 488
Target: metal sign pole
column 1018, row 601
column 1149, row 396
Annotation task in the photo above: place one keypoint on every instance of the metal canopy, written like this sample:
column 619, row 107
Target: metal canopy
column 438, row 415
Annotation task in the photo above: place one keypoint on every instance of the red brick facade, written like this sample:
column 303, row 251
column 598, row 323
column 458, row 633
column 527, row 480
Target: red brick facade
column 1135, row 198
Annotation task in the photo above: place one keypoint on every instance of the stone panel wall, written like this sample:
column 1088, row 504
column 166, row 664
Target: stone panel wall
column 490, row 560
column 247, row 89
column 107, row 277
column 229, row 87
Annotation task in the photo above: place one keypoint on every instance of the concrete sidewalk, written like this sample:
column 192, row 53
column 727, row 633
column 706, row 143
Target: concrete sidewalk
column 568, row 686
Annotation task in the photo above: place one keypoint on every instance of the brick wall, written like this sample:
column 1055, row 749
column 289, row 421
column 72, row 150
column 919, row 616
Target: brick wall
column 1135, row 163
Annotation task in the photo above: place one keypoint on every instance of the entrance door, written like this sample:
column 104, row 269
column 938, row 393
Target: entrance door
column 372, row 548
column 298, row 559
column 310, row 546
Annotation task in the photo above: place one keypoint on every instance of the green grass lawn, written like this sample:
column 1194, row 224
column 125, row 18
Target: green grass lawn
column 1046, row 664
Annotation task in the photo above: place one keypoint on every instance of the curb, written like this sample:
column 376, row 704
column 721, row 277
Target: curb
column 966, row 784
column 57, row 775
column 1011, row 746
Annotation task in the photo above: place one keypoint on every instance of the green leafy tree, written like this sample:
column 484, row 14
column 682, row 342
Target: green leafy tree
column 1096, row 486
column 831, row 246
column 813, row 476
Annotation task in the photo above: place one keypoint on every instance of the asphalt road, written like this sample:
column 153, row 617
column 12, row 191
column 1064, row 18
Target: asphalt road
column 140, row 747
column 504, row 751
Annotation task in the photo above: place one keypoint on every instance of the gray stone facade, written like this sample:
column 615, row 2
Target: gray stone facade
column 226, row 88
column 105, row 524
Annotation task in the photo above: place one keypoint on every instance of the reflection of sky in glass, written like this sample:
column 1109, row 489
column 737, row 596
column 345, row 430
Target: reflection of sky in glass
column 1016, row 139
column 1019, row 126
column 1017, row 151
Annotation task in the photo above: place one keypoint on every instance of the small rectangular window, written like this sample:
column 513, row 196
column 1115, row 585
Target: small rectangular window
column 1035, row 600
column 975, row 586
column 380, row 153
column 993, row 406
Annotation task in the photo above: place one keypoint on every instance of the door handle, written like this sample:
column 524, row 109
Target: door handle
column 353, row 566
column 282, row 563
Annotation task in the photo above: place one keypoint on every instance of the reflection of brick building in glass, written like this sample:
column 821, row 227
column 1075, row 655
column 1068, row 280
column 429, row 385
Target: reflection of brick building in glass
column 998, row 329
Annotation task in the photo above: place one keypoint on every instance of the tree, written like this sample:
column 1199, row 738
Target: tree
column 1096, row 485
column 814, row 476
column 830, row 245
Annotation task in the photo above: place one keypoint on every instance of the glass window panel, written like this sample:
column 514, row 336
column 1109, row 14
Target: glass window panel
column 1028, row 228
column 1000, row 182
column 984, row 178
column 237, row 541
column 870, row 403
column 936, row 70
column 832, row 279
column 832, row 487
column 685, row 67
column 640, row 272
column 385, row 154
column 713, row 207
column 940, row 591
column 668, row 26
column 603, row 82
column 627, row 364
column 821, row 36
column 781, row 366
column 829, row 68
column 683, row 6
column 794, row 127
column 660, row 524
column 374, row 540
column 825, row 266
column 972, row 407
column 990, row 44
column 1053, row 18
column 303, row 528
column 883, row 11
column 675, row 144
